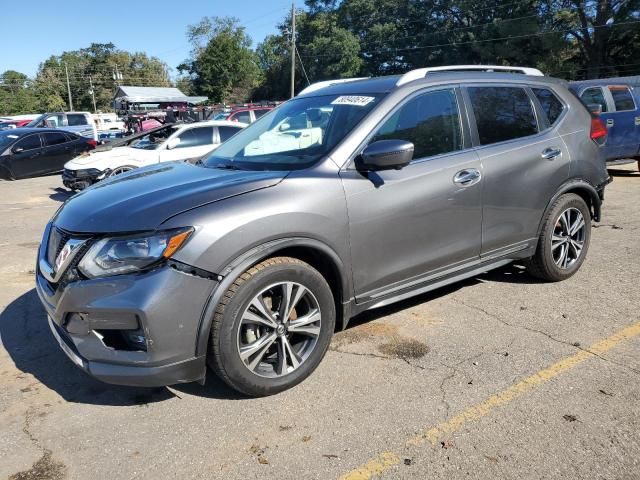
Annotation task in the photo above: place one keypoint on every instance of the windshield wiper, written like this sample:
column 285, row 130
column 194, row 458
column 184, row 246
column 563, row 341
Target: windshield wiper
column 227, row 166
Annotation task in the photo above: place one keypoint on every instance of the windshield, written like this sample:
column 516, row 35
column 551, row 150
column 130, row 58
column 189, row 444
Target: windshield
column 34, row 123
column 7, row 137
column 153, row 140
column 295, row 135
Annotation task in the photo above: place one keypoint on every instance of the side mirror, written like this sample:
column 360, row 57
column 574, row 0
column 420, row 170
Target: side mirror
column 595, row 108
column 18, row 150
column 387, row 155
column 173, row 143
column 284, row 127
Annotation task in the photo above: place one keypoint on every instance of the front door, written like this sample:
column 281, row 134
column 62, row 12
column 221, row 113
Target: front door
column 408, row 224
column 625, row 132
column 26, row 157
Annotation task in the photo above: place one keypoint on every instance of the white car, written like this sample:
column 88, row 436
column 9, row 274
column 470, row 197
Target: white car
column 173, row 142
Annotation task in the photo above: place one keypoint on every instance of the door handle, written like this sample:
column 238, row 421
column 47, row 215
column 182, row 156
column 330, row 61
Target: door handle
column 467, row 177
column 610, row 122
column 637, row 121
column 551, row 153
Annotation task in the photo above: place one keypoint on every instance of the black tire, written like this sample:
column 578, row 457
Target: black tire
column 542, row 265
column 223, row 355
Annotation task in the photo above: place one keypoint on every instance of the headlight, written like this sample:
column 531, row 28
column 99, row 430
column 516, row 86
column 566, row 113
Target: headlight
column 118, row 255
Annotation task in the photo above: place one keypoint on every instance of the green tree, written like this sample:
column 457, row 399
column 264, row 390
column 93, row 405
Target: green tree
column 222, row 65
column 17, row 94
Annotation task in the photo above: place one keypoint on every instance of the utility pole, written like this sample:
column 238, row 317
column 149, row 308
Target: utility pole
column 68, row 87
column 93, row 95
column 293, row 49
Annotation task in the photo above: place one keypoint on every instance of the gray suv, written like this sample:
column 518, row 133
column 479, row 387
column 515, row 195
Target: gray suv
column 351, row 196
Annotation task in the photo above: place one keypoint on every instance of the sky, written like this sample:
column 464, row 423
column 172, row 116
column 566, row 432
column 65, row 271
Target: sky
column 33, row 30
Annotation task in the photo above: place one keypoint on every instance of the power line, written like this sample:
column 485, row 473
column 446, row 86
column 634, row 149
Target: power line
column 302, row 65
column 496, row 39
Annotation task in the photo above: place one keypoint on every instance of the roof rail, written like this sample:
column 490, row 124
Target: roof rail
column 318, row 85
column 422, row 72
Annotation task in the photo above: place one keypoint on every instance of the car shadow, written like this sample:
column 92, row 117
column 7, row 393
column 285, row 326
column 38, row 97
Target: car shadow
column 512, row 273
column 616, row 172
column 27, row 339
column 60, row 194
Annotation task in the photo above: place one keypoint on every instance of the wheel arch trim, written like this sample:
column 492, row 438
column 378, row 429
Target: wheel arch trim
column 255, row 255
column 572, row 185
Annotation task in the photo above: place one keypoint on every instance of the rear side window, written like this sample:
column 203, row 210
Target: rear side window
column 430, row 121
column 227, row 132
column 594, row 96
column 76, row 119
column 622, row 98
column 30, row 142
column 196, row 137
column 551, row 106
column 261, row 112
column 502, row 113
column 51, row 139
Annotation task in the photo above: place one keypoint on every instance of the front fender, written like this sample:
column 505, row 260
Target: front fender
column 235, row 268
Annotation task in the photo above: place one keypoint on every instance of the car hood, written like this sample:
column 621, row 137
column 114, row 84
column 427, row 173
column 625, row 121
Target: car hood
column 144, row 198
column 95, row 159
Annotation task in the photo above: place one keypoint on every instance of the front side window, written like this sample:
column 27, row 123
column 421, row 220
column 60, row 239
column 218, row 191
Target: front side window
column 76, row 119
column 502, row 113
column 594, row 96
column 51, row 139
column 622, row 98
column 430, row 121
column 551, row 106
column 196, row 137
column 295, row 135
column 30, row 142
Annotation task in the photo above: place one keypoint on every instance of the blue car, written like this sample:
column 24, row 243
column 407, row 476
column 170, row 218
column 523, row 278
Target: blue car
column 620, row 110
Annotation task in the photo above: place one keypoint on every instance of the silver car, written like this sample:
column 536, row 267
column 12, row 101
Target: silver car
column 351, row 196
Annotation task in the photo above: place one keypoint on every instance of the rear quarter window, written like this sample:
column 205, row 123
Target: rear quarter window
column 622, row 98
column 551, row 105
column 502, row 113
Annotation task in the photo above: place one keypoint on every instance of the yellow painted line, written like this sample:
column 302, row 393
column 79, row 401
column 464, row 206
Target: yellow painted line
column 386, row 460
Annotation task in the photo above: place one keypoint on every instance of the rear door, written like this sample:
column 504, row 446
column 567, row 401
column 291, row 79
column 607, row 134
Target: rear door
column 627, row 121
column 524, row 162
column 26, row 157
column 56, row 151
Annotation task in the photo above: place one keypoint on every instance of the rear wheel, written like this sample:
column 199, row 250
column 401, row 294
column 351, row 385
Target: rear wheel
column 564, row 240
column 272, row 327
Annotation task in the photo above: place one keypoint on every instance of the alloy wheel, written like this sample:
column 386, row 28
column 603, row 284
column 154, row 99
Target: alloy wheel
column 567, row 240
column 119, row 170
column 279, row 329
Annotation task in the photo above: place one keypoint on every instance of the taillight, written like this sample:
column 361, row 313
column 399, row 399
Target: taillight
column 92, row 143
column 598, row 130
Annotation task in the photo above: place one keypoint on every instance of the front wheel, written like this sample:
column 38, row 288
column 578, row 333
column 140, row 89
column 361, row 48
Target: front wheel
column 272, row 327
column 564, row 240
column 119, row 170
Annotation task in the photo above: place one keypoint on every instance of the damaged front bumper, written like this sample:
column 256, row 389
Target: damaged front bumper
column 137, row 330
column 81, row 179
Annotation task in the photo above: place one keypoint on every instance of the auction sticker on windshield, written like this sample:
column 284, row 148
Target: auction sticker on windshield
column 356, row 100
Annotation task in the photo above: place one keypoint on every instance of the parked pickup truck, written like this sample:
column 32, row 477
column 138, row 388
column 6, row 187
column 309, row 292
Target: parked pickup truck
column 80, row 123
column 619, row 107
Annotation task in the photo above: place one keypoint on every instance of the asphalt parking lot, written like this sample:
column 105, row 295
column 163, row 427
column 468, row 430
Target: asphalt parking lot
column 496, row 377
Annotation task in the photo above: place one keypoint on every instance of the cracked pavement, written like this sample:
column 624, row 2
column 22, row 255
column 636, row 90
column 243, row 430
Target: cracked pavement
column 396, row 372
